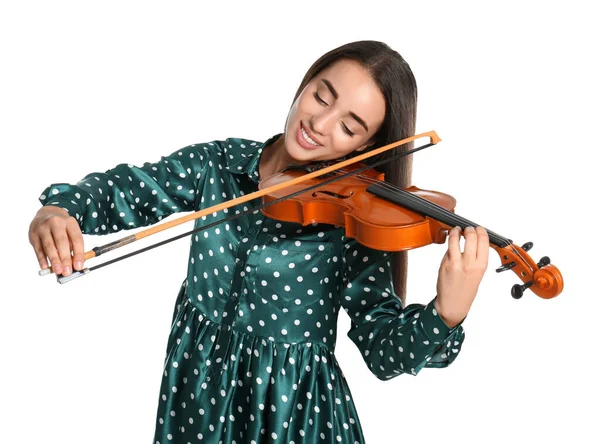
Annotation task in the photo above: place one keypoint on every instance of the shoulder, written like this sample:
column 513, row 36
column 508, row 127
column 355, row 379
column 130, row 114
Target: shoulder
column 237, row 148
column 227, row 151
column 217, row 154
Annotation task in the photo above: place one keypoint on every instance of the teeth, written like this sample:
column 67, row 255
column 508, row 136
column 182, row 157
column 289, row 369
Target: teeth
column 308, row 139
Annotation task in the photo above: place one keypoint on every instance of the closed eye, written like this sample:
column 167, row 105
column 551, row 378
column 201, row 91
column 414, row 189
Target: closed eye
column 347, row 130
column 319, row 99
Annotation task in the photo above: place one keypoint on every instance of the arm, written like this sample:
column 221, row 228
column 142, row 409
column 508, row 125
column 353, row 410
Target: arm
column 392, row 339
column 121, row 198
column 128, row 196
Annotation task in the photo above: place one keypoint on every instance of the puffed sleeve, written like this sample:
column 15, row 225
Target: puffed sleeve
column 392, row 339
column 128, row 196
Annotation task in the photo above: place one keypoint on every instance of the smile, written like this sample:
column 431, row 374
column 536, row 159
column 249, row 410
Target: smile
column 307, row 137
column 305, row 140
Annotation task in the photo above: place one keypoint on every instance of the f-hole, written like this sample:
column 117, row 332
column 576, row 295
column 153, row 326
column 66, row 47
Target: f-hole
column 332, row 194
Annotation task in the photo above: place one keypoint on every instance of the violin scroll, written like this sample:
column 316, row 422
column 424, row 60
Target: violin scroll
column 543, row 279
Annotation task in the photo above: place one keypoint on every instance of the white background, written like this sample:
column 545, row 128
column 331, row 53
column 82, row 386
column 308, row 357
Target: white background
column 510, row 87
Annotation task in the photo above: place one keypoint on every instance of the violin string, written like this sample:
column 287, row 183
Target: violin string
column 496, row 238
column 391, row 187
column 461, row 221
column 424, row 202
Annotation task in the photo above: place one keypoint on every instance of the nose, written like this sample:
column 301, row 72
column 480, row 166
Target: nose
column 321, row 123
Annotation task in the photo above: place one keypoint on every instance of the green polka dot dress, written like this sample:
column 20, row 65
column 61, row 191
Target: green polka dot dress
column 250, row 356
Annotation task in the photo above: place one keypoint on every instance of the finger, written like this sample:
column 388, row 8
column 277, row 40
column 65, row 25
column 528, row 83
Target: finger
column 39, row 252
column 76, row 238
column 483, row 244
column 454, row 244
column 50, row 251
column 470, row 253
column 59, row 234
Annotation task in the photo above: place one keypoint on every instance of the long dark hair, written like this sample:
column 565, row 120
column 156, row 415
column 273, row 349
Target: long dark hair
column 397, row 83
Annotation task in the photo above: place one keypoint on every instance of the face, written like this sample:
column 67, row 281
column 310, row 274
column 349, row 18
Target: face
column 338, row 112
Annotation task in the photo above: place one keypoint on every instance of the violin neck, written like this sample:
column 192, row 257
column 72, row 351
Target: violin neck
column 427, row 208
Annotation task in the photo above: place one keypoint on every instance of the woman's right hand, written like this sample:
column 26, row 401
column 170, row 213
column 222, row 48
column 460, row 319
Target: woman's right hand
column 53, row 235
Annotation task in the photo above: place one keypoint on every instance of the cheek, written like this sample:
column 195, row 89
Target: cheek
column 345, row 147
column 300, row 109
column 307, row 105
column 340, row 147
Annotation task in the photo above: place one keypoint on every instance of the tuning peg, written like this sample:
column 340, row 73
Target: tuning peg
column 505, row 267
column 517, row 290
column 527, row 246
column 543, row 261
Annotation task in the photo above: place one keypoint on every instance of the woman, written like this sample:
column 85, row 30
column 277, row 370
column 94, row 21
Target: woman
column 250, row 357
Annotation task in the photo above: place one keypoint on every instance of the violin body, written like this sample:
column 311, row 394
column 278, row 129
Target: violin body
column 372, row 221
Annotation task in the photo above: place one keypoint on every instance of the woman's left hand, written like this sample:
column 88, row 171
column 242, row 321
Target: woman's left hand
column 460, row 273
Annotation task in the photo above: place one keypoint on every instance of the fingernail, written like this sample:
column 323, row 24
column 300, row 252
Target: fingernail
column 67, row 271
column 469, row 228
column 78, row 265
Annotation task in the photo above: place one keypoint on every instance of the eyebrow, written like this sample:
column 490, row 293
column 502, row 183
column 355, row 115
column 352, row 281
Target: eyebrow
column 336, row 95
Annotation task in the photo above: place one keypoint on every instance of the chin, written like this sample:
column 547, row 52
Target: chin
column 300, row 154
column 297, row 151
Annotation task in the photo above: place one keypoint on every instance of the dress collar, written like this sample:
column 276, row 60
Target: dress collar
column 245, row 157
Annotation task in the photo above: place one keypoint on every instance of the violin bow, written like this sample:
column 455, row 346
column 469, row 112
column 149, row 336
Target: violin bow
column 97, row 251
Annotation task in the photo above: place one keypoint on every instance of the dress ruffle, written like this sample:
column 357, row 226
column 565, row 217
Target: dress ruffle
column 238, row 387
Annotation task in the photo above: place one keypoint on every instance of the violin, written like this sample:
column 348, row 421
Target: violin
column 383, row 217
column 375, row 213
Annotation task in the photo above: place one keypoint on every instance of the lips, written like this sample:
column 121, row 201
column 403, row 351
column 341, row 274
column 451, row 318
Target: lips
column 310, row 134
column 302, row 140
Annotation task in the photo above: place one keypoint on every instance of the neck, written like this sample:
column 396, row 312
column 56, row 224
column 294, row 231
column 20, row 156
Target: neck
column 274, row 159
